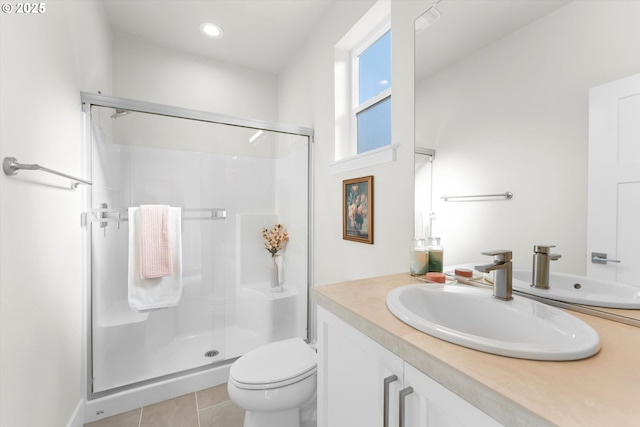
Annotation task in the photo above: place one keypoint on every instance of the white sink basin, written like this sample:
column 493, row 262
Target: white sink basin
column 471, row 317
column 580, row 290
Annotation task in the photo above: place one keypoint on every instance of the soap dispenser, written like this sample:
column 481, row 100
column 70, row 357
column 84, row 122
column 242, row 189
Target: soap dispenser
column 418, row 257
column 436, row 255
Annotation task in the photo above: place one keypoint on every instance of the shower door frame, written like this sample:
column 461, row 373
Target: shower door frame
column 90, row 100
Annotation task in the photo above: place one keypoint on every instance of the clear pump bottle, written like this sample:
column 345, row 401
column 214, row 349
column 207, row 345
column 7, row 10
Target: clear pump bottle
column 436, row 255
column 418, row 257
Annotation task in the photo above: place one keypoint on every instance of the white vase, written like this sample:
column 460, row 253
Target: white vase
column 277, row 276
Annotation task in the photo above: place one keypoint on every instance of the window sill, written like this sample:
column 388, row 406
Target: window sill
column 364, row 160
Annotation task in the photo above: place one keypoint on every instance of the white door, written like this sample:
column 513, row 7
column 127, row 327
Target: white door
column 614, row 180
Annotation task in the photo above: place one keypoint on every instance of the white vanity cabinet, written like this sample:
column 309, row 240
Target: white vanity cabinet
column 352, row 369
column 433, row 405
column 351, row 376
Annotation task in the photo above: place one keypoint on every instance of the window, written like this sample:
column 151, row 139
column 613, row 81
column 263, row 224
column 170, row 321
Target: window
column 362, row 93
column 372, row 92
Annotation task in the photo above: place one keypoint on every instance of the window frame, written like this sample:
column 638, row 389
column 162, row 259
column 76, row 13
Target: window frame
column 356, row 107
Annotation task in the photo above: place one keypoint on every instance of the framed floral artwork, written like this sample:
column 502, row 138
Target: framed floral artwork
column 357, row 209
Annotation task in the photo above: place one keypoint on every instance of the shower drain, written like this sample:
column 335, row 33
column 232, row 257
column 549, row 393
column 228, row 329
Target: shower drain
column 211, row 353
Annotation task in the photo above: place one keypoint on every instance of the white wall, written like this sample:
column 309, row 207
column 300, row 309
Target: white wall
column 514, row 117
column 46, row 61
column 146, row 72
column 306, row 98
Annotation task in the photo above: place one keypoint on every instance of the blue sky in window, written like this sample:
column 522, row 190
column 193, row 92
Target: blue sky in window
column 374, row 126
column 375, row 68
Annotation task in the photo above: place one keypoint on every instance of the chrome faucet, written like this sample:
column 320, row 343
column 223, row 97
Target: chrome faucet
column 502, row 282
column 541, row 260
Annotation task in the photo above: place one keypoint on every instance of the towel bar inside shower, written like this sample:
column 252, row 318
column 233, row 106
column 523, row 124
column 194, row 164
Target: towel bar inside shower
column 105, row 215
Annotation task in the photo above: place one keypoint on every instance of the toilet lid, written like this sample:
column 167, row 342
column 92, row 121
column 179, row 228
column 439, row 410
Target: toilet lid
column 274, row 363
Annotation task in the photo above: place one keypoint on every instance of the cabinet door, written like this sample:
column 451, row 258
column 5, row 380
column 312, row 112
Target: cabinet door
column 433, row 405
column 351, row 373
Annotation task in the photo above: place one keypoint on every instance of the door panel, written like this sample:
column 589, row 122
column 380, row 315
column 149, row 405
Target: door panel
column 614, row 180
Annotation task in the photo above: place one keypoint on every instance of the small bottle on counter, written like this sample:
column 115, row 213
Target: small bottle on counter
column 418, row 257
column 436, row 255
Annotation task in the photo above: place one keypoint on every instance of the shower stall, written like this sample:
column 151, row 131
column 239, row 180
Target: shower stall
column 231, row 178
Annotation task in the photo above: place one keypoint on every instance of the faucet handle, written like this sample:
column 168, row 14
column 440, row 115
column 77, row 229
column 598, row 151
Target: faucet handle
column 503, row 255
column 542, row 249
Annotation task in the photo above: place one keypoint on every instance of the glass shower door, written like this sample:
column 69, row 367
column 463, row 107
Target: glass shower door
column 133, row 167
column 230, row 182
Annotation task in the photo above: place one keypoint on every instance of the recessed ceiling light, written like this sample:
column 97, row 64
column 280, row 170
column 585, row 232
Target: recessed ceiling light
column 211, row 30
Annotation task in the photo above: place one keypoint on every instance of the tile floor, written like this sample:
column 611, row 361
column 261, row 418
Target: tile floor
column 205, row 408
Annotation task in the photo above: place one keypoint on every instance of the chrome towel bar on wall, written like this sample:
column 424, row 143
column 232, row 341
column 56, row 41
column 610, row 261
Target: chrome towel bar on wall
column 507, row 195
column 11, row 166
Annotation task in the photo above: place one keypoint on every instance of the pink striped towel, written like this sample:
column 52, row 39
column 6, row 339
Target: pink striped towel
column 155, row 251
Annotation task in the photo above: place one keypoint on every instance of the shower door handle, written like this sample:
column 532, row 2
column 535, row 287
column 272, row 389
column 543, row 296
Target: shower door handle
column 403, row 395
column 385, row 412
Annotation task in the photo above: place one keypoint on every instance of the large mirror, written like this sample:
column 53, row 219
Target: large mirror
column 502, row 96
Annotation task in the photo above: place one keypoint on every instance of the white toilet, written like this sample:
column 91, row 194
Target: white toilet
column 275, row 384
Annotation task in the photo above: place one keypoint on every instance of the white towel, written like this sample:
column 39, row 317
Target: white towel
column 160, row 292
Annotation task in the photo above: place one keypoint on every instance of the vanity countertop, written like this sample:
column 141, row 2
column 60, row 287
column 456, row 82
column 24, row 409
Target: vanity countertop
column 598, row 391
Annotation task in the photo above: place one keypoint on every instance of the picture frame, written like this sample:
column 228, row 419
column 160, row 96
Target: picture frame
column 357, row 209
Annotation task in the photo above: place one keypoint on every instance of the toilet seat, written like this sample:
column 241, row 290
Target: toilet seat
column 274, row 365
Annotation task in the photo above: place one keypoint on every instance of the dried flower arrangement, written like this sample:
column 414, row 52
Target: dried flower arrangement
column 275, row 238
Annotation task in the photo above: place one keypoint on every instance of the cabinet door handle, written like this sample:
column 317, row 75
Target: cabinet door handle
column 403, row 394
column 387, row 381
